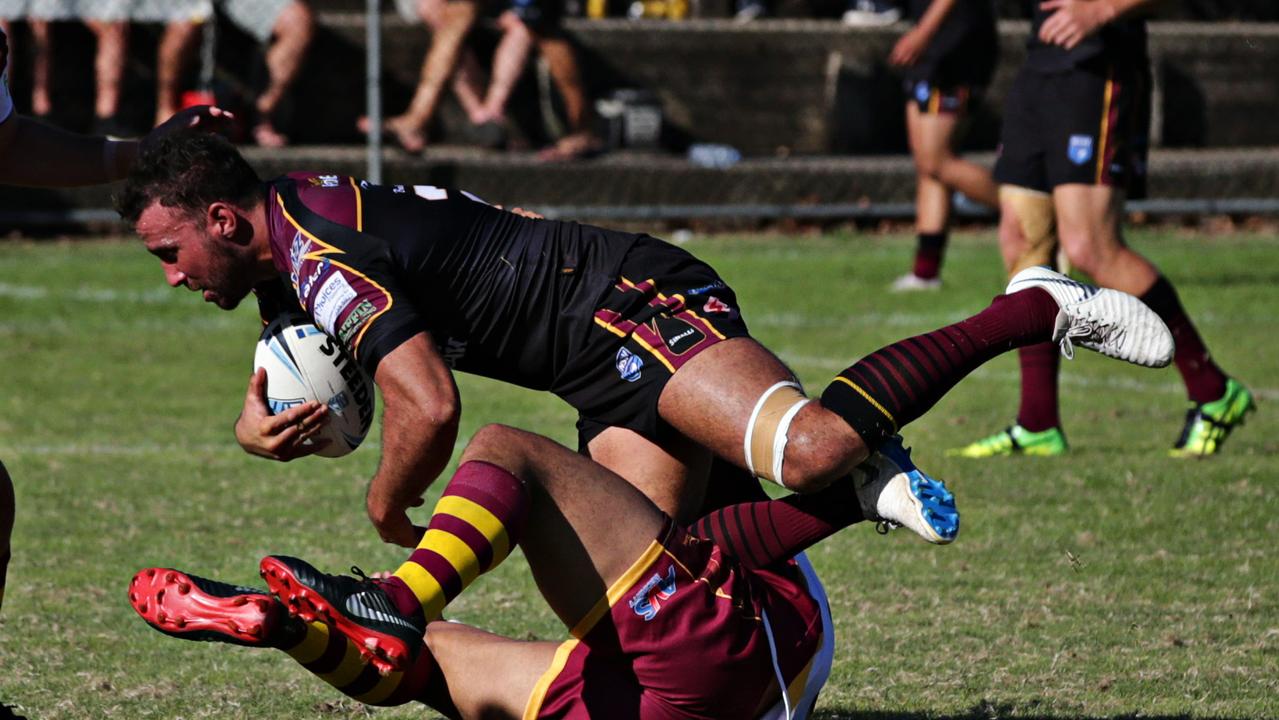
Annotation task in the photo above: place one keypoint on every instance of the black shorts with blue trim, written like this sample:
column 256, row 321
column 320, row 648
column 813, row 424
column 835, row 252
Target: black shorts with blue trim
column 1089, row 124
column 665, row 307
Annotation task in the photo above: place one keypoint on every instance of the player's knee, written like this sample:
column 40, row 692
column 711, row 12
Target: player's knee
column 1086, row 252
column 792, row 450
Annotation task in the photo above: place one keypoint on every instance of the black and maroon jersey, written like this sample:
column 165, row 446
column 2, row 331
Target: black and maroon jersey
column 1122, row 41
column 501, row 295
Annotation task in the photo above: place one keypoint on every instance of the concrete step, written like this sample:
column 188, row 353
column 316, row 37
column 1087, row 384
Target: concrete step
column 670, row 186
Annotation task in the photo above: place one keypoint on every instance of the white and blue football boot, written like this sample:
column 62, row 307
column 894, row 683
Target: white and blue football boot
column 895, row 493
column 1111, row 322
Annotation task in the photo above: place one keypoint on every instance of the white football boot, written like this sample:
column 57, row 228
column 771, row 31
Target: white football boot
column 895, row 493
column 1111, row 322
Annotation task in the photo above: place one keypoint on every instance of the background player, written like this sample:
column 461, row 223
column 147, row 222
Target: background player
column 1075, row 138
column 635, row 590
column 644, row 340
column 947, row 60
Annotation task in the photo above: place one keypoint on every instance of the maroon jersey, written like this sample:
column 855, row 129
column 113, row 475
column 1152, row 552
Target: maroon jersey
column 501, row 295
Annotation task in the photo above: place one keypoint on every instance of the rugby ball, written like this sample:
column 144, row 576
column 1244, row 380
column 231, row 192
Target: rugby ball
column 302, row 364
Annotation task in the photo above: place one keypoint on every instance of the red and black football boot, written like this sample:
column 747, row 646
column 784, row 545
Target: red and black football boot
column 357, row 608
column 195, row 608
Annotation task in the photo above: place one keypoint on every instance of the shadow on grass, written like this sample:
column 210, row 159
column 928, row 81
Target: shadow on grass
column 994, row 711
column 9, row 712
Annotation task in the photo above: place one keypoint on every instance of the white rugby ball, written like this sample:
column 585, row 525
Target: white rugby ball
column 303, row 364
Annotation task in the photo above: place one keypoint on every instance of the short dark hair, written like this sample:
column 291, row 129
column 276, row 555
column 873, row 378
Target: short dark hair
column 188, row 170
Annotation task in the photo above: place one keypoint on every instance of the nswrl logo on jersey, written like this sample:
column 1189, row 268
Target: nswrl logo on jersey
column 1079, row 150
column 648, row 600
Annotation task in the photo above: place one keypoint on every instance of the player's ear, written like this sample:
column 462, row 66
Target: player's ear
column 221, row 220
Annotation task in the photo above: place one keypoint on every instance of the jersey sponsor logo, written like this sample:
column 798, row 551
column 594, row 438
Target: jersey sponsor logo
column 647, row 602
column 330, row 300
column 715, row 305
column 678, row 335
column 325, row 181
column 717, row 285
column 399, row 189
column 454, row 349
column 304, row 287
column 355, row 319
column 1079, row 149
column 629, row 365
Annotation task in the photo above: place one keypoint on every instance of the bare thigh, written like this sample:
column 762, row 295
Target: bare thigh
column 586, row 527
column 672, row 475
column 488, row 675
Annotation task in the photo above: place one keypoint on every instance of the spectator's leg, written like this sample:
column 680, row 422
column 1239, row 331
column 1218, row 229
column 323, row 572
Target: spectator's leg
column 177, row 46
column 508, row 64
column 457, row 17
column 108, row 66
column 41, row 68
column 291, row 36
column 561, row 60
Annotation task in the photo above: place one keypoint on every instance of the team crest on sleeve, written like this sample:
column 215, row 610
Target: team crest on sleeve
column 647, row 602
column 325, row 181
column 1079, row 150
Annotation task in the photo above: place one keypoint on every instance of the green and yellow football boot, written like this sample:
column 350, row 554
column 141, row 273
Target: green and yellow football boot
column 1015, row 440
column 1209, row 424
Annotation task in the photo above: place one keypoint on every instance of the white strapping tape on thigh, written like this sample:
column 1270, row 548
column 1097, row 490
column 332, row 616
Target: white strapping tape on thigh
column 769, row 412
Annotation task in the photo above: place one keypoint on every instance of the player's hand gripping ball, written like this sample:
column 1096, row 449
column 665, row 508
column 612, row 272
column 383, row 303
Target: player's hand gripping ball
column 303, row 364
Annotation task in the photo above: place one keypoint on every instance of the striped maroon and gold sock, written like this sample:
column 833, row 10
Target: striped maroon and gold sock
column 892, row 386
column 334, row 659
column 475, row 525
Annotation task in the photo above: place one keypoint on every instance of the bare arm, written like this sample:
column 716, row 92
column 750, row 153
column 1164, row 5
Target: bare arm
column 1076, row 20
column 39, row 155
column 419, row 429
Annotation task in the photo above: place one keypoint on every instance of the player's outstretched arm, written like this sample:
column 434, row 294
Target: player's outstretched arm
column 39, row 155
column 419, row 429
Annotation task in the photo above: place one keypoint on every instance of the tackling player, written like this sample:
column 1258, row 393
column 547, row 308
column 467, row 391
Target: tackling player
column 947, row 59
column 1074, row 146
column 635, row 590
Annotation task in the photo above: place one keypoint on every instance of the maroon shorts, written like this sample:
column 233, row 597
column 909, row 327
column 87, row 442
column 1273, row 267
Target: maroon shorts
column 682, row 635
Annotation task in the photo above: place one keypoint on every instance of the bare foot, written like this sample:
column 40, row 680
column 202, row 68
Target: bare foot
column 268, row 137
column 406, row 133
column 572, row 147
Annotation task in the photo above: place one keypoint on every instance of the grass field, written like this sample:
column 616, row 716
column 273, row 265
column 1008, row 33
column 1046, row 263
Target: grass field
column 1112, row 582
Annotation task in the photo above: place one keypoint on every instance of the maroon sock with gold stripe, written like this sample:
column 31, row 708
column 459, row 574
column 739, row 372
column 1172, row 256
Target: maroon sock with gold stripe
column 475, row 525
column 896, row 384
column 334, row 659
